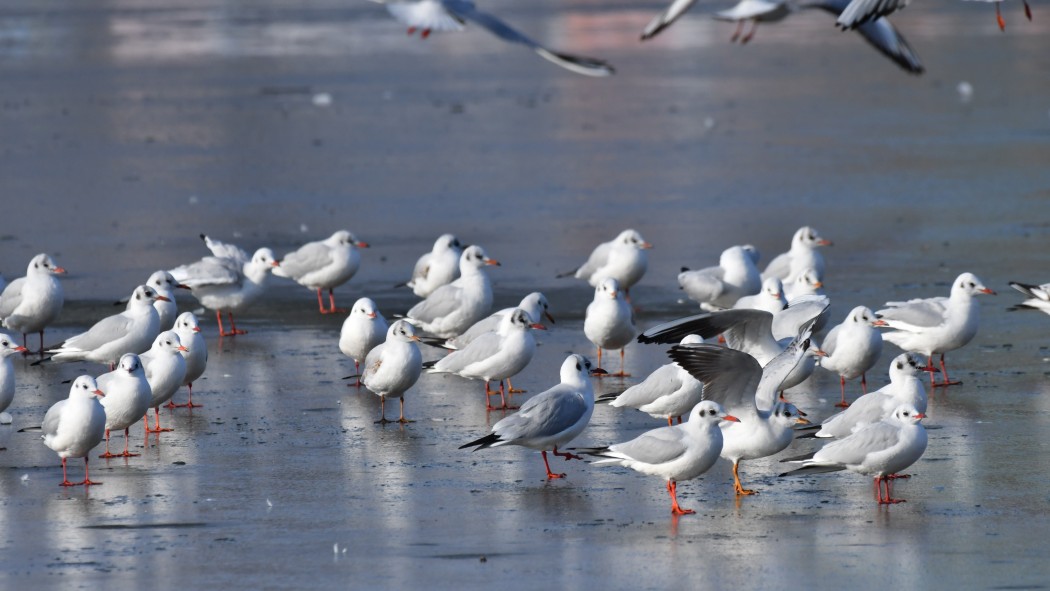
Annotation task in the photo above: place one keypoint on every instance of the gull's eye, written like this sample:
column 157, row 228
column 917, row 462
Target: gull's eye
column 578, row 368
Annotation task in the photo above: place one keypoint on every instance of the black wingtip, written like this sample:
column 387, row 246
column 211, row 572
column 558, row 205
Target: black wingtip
column 203, row 237
column 482, row 443
column 429, row 364
column 39, row 361
column 351, row 377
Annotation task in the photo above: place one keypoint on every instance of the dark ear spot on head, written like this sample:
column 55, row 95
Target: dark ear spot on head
column 899, row 365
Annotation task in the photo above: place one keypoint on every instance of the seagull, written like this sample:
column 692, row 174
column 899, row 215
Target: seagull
column 228, row 280
column 8, row 347
column 438, row 267
column 676, row 453
column 880, row 33
column 882, row 449
column 72, row 427
column 130, row 331
column 622, row 258
column 450, row 15
column 28, row 304
column 853, row 348
column 717, row 288
column 127, row 398
column 770, row 298
column 808, row 283
column 364, row 329
column 1038, row 296
column 165, row 370
column 325, row 264
column 189, row 331
column 804, row 254
column 905, row 387
column 936, row 325
column 393, row 367
column 750, row 331
column 164, row 284
column 999, row 14
column 551, row 418
column 496, row 355
column 451, row 309
column 857, row 12
column 749, row 392
column 609, row 321
column 668, row 392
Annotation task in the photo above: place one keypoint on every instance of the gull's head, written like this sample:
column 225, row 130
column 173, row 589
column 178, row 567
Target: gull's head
column 43, row 264
column 168, row 341
column 446, row 241
column 365, row 308
column 907, row 414
column 402, row 331
column 187, row 322
column 608, row 288
column 130, row 363
column 907, row 365
column 577, row 368
column 265, row 258
column 85, row 387
column 475, row 256
column 8, row 346
column 809, row 237
column 773, row 287
column 633, row 239
column 788, row 415
column 710, row 413
column 163, row 282
column 969, row 283
column 861, row 315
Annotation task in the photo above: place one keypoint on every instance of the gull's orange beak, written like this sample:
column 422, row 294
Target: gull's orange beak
column 824, row 242
column 20, row 348
column 60, row 271
column 645, row 245
column 361, row 244
column 161, row 298
column 818, row 285
column 921, row 415
column 98, row 392
column 371, row 314
column 880, row 322
column 987, row 291
column 196, row 329
column 537, row 326
column 183, row 348
column 820, row 353
column 492, row 262
column 731, row 418
column 801, row 421
column 275, row 264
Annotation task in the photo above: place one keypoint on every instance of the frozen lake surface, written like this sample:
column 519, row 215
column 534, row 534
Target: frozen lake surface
column 131, row 127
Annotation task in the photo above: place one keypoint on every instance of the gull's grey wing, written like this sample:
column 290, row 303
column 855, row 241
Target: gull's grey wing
column 711, row 324
column 309, row 257
column 658, row 446
column 730, row 377
column 780, row 266
column 225, row 250
column 661, row 382
column 50, row 424
column 209, row 271
column 104, row 331
column 482, row 347
column 778, row 368
column 544, row 415
column 666, row 18
column 441, row 302
column 787, row 322
column 858, row 12
column 879, row 32
column 11, row 297
column 465, row 10
column 918, row 312
column 853, row 449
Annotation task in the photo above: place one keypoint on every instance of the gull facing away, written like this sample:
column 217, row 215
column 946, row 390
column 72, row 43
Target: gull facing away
column 881, row 449
column 228, row 280
column 803, row 254
column 450, row 15
column 72, row 427
column 363, row 330
column 623, row 258
column 936, row 325
column 130, row 331
column 438, row 267
column 393, row 367
column 28, row 304
column 451, row 309
column 551, row 418
column 668, row 392
column 749, row 392
column 127, row 399
column 325, row 264
column 719, row 287
column 853, row 348
column 675, row 453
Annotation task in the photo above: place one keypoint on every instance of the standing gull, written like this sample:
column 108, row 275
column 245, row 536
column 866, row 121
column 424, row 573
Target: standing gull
column 72, row 427
column 622, row 258
column 438, row 267
column 364, row 329
column 130, row 331
column 451, row 15
column 228, row 280
column 936, row 325
column 675, row 453
column 325, row 264
column 451, row 309
column 165, row 370
column 804, row 254
column 28, row 304
column 164, row 284
column 8, row 347
column 880, row 449
column 551, row 418
column 717, row 288
column 668, row 392
column 393, row 367
column 609, row 321
column 127, row 398
column 853, row 348
column 189, row 331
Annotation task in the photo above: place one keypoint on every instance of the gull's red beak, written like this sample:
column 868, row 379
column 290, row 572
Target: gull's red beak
column 731, row 418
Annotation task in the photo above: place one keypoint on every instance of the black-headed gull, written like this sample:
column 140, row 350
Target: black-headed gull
column 364, row 329
column 393, row 366
column 1038, row 296
column 623, row 258
column 905, row 387
column 879, row 33
column 131, row 331
column 8, row 347
column 494, row 356
column 325, row 264
column 749, row 392
column 228, row 280
column 668, row 392
column 450, row 15
column 881, row 449
column 438, row 267
column 453, row 308
column 609, row 321
column 165, row 370
column 770, row 298
column 936, row 325
column 675, row 453
column 127, row 398
column 804, row 254
column 756, row 11
column 74, row 426
column 853, row 348
column 551, row 418
column 717, row 288
column 28, row 304
column 189, row 331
